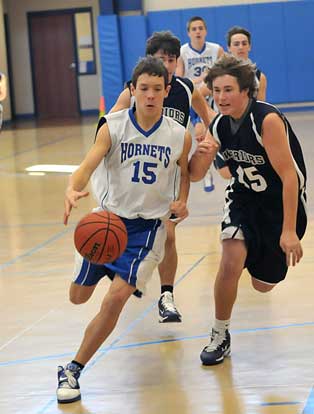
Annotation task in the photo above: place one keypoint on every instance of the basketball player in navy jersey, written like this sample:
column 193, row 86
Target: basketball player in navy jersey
column 143, row 153
column 177, row 105
column 265, row 208
column 239, row 44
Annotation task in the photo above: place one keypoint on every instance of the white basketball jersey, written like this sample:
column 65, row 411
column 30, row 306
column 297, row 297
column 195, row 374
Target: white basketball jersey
column 195, row 61
column 139, row 175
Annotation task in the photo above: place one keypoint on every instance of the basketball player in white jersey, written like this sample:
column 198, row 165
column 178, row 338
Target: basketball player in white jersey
column 144, row 153
column 177, row 104
column 3, row 94
column 196, row 57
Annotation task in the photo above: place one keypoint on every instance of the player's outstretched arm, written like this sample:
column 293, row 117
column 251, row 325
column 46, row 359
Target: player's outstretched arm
column 123, row 101
column 81, row 176
column 200, row 106
column 179, row 207
column 279, row 155
column 180, row 67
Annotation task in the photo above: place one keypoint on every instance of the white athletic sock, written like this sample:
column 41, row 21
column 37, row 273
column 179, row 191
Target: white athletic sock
column 221, row 326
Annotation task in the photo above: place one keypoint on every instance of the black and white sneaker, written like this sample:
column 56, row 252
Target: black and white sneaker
column 218, row 348
column 68, row 389
column 167, row 309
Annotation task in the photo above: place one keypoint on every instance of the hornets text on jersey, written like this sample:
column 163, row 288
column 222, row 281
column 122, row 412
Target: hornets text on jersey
column 139, row 175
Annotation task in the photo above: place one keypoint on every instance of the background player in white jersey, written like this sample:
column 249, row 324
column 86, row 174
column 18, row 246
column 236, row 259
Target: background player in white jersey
column 3, row 94
column 177, row 104
column 265, row 202
column 196, row 57
column 143, row 204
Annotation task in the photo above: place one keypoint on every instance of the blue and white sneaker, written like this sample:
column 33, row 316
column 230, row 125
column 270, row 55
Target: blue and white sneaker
column 218, row 348
column 208, row 182
column 68, row 389
column 167, row 309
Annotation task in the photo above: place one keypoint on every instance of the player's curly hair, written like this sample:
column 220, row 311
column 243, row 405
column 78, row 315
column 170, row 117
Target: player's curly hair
column 243, row 70
column 165, row 41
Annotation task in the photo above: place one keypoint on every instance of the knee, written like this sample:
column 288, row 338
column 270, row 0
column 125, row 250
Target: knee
column 77, row 299
column 113, row 303
column 80, row 294
column 261, row 286
column 230, row 270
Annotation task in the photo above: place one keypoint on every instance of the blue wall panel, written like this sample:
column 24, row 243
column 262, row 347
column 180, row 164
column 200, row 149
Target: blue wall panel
column 111, row 62
column 165, row 20
column 299, row 33
column 133, row 38
column 207, row 14
column 229, row 16
column 269, row 48
column 282, row 43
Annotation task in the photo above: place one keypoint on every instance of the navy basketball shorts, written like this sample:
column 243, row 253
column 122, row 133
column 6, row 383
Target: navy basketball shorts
column 260, row 225
column 144, row 251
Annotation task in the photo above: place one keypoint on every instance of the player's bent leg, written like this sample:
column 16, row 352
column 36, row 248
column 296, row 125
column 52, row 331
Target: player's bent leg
column 167, row 271
column 95, row 334
column 104, row 322
column 80, row 294
column 261, row 286
column 226, row 286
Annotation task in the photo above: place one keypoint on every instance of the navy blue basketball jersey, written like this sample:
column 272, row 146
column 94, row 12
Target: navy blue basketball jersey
column 243, row 151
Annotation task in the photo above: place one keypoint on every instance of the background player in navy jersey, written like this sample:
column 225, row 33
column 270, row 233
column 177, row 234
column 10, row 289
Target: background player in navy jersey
column 144, row 204
column 264, row 215
column 196, row 57
column 239, row 44
column 177, row 105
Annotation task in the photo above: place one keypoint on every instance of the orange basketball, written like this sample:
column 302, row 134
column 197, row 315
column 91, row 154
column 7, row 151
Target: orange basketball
column 100, row 237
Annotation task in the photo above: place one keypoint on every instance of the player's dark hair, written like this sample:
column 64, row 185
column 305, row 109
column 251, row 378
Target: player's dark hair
column 165, row 41
column 194, row 19
column 242, row 70
column 152, row 66
column 237, row 30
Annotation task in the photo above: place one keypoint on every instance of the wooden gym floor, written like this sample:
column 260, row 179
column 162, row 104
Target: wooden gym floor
column 144, row 367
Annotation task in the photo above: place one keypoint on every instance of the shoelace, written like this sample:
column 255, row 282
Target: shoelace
column 68, row 380
column 167, row 302
column 216, row 341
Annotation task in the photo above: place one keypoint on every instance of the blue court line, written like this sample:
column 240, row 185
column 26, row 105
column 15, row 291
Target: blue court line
column 112, row 347
column 35, row 249
column 267, row 404
column 309, row 405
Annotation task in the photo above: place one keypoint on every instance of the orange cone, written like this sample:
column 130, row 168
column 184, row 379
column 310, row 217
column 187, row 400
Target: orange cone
column 102, row 108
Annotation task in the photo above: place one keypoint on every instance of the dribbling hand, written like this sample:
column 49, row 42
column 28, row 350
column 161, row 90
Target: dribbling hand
column 70, row 201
